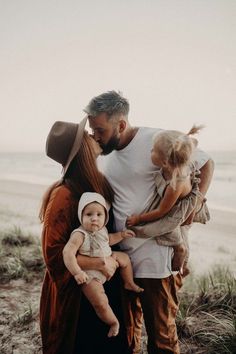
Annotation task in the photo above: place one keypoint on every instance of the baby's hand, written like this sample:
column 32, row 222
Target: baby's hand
column 127, row 234
column 132, row 220
column 81, row 277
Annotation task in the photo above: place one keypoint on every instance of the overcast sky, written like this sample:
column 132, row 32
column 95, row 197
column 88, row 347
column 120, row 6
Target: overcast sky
column 175, row 60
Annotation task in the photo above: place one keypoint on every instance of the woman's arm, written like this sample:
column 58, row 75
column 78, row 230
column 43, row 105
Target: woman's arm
column 107, row 265
column 167, row 202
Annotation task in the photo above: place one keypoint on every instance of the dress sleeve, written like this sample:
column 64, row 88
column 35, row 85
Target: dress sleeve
column 60, row 220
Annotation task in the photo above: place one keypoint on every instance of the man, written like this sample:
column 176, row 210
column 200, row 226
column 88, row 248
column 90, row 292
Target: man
column 128, row 167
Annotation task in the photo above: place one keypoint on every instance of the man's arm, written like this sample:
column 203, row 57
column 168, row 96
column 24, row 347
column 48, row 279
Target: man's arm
column 206, row 176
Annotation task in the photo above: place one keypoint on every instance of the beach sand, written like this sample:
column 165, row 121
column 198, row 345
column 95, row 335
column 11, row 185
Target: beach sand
column 210, row 245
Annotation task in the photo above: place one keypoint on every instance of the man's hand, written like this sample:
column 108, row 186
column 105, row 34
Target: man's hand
column 133, row 220
column 206, row 177
column 81, row 277
column 198, row 206
column 109, row 267
column 189, row 219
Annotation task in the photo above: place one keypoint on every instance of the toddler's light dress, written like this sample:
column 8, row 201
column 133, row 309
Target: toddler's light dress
column 167, row 229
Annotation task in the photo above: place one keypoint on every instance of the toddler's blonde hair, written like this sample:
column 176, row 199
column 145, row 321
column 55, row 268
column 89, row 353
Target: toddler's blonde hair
column 176, row 148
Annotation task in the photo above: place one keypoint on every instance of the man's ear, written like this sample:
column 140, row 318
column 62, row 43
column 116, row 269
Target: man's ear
column 122, row 125
column 165, row 163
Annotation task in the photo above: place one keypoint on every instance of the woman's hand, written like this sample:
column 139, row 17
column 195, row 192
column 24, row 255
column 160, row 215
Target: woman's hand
column 81, row 277
column 109, row 267
column 133, row 220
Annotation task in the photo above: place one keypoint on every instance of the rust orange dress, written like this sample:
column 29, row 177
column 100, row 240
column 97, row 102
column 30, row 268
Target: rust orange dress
column 68, row 322
column 60, row 297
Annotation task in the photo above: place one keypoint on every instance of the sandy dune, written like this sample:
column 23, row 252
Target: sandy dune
column 211, row 244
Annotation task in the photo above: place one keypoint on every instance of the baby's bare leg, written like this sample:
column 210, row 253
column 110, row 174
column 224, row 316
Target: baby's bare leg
column 126, row 271
column 95, row 293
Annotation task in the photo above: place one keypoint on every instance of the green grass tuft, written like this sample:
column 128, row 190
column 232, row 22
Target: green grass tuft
column 24, row 317
column 207, row 314
column 20, row 256
column 15, row 237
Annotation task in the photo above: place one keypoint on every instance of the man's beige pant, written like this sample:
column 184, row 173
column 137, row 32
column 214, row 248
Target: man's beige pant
column 158, row 305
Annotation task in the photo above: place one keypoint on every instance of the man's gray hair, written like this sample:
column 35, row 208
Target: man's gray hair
column 111, row 102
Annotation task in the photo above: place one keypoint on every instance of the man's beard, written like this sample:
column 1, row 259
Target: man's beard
column 112, row 144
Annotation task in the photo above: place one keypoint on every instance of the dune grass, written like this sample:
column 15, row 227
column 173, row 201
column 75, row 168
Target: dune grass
column 206, row 320
column 207, row 315
column 20, row 255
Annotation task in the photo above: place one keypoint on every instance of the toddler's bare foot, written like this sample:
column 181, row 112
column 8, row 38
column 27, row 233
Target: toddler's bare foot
column 179, row 257
column 133, row 287
column 185, row 270
column 114, row 330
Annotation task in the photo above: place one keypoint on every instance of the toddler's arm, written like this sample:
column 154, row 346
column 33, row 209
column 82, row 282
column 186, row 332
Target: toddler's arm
column 167, row 202
column 69, row 257
column 119, row 236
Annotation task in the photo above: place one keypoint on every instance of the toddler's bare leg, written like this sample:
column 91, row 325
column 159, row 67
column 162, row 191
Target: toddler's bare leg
column 186, row 269
column 95, row 293
column 184, row 232
column 126, row 271
column 179, row 257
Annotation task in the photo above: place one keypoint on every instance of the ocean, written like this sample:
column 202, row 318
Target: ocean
column 36, row 168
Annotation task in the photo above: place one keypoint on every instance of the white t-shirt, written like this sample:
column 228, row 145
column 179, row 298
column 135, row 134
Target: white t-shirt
column 131, row 174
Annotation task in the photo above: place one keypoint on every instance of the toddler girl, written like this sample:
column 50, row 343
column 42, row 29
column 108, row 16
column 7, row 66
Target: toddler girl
column 177, row 195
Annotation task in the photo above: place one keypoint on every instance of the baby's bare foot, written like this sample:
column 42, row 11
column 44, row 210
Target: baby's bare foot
column 133, row 287
column 114, row 330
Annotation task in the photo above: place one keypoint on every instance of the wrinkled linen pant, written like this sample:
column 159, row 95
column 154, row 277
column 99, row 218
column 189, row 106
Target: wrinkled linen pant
column 158, row 305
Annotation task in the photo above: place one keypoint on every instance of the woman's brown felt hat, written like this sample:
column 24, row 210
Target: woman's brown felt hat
column 63, row 142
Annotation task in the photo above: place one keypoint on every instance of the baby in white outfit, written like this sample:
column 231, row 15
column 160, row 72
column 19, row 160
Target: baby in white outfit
column 92, row 239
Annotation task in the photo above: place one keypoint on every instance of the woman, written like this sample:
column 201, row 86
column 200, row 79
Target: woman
column 67, row 320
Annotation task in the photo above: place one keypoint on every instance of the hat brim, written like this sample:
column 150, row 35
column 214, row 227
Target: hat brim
column 76, row 145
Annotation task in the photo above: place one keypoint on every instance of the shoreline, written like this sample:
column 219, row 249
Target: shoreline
column 210, row 245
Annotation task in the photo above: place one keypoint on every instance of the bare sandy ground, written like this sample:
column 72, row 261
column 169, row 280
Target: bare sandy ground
column 214, row 243
column 210, row 245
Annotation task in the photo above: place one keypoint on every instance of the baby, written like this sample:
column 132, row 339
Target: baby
column 92, row 239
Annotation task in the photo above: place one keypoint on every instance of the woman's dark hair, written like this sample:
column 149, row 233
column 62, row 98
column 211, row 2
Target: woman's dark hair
column 81, row 176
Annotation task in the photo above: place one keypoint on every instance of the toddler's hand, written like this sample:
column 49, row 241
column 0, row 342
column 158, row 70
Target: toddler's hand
column 132, row 220
column 127, row 234
column 81, row 277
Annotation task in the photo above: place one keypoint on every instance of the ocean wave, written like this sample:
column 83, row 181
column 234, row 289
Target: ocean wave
column 221, row 208
column 28, row 178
